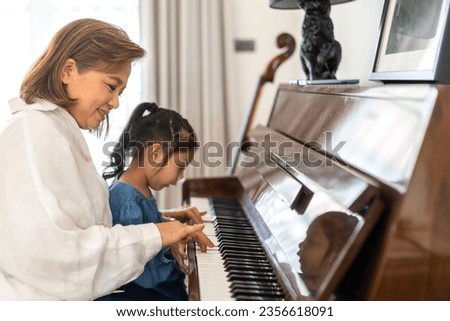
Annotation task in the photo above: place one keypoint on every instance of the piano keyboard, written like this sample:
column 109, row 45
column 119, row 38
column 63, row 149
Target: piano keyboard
column 237, row 267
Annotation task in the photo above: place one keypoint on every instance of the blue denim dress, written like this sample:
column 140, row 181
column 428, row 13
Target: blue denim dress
column 162, row 278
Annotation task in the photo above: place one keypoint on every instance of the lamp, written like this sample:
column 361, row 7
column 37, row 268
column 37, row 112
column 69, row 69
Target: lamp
column 320, row 53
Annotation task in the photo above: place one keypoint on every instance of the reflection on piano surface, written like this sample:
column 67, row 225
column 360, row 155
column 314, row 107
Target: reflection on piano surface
column 325, row 238
column 364, row 154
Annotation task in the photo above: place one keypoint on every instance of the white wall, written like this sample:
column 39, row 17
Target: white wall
column 356, row 27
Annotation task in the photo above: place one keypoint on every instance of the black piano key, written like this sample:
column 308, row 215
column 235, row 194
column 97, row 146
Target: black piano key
column 228, row 218
column 232, row 254
column 234, row 225
column 227, row 206
column 227, row 234
column 247, row 284
column 252, row 267
column 239, row 275
column 231, row 243
column 234, row 219
column 235, row 231
column 262, row 291
column 234, row 228
column 239, row 247
column 258, row 292
column 231, row 213
column 247, row 262
column 255, row 275
column 247, row 253
column 233, row 236
column 244, row 240
column 242, row 297
column 249, row 267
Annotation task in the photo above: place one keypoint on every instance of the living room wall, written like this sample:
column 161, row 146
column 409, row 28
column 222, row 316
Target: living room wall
column 356, row 26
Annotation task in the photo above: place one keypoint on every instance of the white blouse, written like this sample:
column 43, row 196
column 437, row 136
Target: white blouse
column 56, row 236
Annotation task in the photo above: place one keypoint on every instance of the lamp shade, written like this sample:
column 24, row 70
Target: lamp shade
column 283, row 4
column 292, row 4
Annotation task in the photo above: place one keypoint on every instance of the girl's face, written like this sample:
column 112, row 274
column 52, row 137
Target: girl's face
column 313, row 252
column 96, row 92
column 170, row 173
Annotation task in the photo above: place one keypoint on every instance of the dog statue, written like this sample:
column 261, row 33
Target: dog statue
column 320, row 53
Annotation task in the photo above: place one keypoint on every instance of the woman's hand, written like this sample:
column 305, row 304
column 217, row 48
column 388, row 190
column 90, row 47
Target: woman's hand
column 202, row 241
column 185, row 214
column 175, row 231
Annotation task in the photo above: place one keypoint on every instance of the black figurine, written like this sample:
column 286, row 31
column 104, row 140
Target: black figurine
column 320, row 53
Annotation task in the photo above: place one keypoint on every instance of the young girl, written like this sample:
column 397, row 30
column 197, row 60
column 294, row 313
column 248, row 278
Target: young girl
column 160, row 144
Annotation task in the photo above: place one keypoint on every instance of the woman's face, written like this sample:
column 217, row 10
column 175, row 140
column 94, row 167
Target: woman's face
column 96, row 92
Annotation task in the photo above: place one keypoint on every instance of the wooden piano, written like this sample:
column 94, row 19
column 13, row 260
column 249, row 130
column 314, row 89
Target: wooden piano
column 344, row 195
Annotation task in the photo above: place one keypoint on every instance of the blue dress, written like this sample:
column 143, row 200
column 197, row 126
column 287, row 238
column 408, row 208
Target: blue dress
column 162, row 278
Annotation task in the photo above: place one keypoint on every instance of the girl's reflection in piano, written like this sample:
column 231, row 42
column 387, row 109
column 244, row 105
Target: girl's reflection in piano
column 325, row 238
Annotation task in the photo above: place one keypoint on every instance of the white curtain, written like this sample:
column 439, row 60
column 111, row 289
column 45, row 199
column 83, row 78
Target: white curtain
column 185, row 71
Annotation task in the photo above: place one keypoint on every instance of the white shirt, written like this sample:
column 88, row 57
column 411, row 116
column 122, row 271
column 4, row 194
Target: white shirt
column 56, row 236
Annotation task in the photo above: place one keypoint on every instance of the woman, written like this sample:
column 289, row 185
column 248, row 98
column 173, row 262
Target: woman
column 57, row 241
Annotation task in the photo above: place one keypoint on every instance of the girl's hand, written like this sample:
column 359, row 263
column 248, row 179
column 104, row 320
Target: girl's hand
column 185, row 214
column 178, row 251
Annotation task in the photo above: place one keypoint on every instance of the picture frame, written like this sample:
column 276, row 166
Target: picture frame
column 414, row 42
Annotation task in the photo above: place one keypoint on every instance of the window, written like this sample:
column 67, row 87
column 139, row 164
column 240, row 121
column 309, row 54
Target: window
column 28, row 26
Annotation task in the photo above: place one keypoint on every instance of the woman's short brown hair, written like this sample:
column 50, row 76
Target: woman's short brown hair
column 93, row 44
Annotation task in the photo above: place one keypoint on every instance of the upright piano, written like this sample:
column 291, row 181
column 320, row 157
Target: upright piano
column 343, row 195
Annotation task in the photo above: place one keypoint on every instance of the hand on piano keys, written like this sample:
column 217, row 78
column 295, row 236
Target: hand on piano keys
column 191, row 213
column 185, row 214
column 178, row 251
column 175, row 231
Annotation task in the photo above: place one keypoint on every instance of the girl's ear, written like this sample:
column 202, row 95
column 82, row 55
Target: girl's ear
column 156, row 154
column 331, row 257
column 68, row 70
